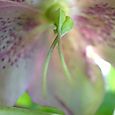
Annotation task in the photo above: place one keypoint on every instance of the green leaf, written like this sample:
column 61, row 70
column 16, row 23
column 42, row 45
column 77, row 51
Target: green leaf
column 111, row 80
column 52, row 110
column 24, row 100
column 21, row 111
column 67, row 26
column 108, row 105
column 18, row 111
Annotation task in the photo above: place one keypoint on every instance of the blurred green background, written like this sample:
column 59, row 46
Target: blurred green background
column 108, row 105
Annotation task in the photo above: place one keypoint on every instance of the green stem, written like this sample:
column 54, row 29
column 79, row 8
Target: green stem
column 46, row 64
column 47, row 61
column 65, row 68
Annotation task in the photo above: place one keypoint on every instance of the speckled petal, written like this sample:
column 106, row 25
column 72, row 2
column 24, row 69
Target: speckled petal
column 17, row 49
column 31, row 2
column 95, row 21
column 82, row 94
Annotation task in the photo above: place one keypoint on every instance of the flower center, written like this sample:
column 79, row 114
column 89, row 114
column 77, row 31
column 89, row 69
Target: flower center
column 50, row 11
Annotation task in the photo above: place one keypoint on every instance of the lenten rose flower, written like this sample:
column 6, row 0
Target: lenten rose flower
column 23, row 53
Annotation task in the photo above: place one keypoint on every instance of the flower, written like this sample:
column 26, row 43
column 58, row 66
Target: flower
column 81, row 94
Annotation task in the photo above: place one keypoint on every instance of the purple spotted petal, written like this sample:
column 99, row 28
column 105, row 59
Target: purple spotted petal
column 31, row 2
column 83, row 95
column 19, row 0
column 96, row 24
column 17, row 49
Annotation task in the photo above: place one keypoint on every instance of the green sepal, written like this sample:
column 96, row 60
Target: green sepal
column 60, row 18
column 63, row 23
column 67, row 26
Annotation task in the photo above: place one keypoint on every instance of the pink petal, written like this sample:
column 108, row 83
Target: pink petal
column 31, row 2
column 83, row 95
column 17, row 49
column 96, row 23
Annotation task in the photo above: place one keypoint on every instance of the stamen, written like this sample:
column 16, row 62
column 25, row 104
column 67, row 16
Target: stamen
column 47, row 61
column 46, row 64
column 65, row 68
